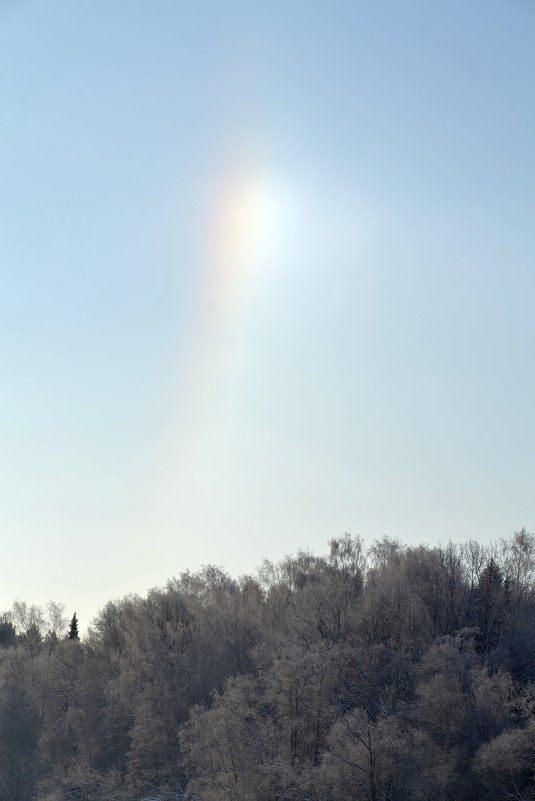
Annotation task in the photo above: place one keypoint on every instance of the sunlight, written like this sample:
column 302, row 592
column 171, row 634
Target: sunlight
column 250, row 226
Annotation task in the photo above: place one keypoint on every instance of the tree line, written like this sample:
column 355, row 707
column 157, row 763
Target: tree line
column 389, row 673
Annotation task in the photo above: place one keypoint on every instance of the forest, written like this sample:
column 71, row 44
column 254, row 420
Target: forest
column 381, row 673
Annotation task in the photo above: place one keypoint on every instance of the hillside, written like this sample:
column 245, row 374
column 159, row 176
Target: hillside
column 384, row 674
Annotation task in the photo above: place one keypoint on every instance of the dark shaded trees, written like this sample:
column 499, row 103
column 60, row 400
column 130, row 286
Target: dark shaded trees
column 393, row 674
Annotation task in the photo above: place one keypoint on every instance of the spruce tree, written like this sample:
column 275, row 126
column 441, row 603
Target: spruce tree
column 73, row 629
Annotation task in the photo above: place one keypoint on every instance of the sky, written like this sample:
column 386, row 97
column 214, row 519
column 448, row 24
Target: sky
column 267, row 274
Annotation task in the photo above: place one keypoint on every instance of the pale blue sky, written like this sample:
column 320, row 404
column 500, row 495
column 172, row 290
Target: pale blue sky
column 370, row 370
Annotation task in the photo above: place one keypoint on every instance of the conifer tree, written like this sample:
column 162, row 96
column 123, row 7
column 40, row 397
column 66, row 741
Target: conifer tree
column 73, row 629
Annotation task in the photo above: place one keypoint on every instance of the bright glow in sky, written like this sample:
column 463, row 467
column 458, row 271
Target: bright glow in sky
column 266, row 276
